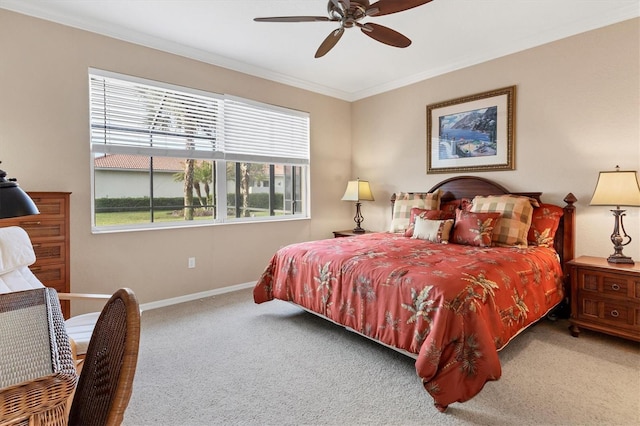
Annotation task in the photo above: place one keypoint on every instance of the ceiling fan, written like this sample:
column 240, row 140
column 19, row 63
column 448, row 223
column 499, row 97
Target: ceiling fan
column 349, row 13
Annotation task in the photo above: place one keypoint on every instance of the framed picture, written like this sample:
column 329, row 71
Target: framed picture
column 473, row 133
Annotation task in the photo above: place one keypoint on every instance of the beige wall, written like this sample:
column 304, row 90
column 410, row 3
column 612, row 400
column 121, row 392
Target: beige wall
column 577, row 113
column 44, row 142
column 577, row 99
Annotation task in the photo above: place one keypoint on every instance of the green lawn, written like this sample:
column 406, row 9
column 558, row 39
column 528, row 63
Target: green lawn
column 127, row 218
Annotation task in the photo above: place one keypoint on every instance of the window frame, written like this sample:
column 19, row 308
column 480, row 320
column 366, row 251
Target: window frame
column 220, row 216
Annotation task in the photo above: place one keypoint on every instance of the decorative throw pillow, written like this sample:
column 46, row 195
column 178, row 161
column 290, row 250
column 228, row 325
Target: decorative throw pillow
column 515, row 220
column 544, row 224
column 436, row 231
column 405, row 201
column 474, row 229
column 424, row 214
column 449, row 208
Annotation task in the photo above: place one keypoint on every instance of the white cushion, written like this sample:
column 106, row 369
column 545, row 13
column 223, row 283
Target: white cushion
column 79, row 328
column 16, row 250
column 18, row 280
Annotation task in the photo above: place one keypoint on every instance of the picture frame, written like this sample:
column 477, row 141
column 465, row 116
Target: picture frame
column 473, row 133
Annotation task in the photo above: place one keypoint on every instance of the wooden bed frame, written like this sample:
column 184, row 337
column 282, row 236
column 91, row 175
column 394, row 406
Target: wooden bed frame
column 459, row 187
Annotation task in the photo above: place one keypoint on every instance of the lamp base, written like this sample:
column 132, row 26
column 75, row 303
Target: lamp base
column 358, row 230
column 619, row 258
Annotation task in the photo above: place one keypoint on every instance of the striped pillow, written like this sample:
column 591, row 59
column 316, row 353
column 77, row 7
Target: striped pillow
column 405, row 201
column 513, row 225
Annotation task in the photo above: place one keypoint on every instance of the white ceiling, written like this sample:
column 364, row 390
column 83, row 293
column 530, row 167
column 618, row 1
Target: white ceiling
column 446, row 34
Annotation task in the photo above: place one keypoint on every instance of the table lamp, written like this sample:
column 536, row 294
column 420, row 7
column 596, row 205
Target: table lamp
column 617, row 188
column 14, row 201
column 358, row 190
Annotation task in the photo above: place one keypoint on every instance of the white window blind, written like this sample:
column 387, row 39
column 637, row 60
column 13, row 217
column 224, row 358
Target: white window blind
column 136, row 116
column 265, row 133
column 129, row 116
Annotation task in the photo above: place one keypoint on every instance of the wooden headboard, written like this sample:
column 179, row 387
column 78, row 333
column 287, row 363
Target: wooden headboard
column 459, row 187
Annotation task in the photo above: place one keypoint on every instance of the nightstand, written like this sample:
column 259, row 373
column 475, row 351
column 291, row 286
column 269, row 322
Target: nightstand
column 605, row 297
column 347, row 233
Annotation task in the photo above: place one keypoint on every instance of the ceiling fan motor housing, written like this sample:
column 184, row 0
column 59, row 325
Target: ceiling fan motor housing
column 347, row 12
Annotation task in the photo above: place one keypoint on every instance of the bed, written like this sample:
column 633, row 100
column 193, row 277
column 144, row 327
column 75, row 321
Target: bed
column 450, row 303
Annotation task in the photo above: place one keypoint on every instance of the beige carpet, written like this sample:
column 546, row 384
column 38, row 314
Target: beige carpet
column 227, row 361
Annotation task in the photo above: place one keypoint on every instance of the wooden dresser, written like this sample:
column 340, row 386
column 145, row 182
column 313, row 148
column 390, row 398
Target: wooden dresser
column 49, row 233
column 605, row 297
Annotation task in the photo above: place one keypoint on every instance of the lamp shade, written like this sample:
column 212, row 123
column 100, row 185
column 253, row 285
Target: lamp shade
column 617, row 188
column 14, row 201
column 358, row 190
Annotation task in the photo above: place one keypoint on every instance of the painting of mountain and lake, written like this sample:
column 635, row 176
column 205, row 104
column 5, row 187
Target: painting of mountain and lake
column 472, row 133
column 468, row 134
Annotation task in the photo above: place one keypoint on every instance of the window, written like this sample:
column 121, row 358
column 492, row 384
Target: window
column 165, row 155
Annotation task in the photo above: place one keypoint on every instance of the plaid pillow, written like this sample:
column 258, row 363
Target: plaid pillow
column 544, row 224
column 474, row 229
column 515, row 217
column 405, row 202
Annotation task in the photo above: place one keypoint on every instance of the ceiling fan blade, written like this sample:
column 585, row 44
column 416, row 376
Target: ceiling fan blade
column 386, row 7
column 385, row 35
column 293, row 19
column 329, row 42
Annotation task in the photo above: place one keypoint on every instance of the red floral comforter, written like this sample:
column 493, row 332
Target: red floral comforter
column 453, row 305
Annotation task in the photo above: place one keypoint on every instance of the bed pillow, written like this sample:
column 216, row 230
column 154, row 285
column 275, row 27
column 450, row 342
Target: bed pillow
column 449, row 207
column 474, row 229
column 544, row 224
column 436, row 231
column 424, row 214
column 513, row 225
column 406, row 201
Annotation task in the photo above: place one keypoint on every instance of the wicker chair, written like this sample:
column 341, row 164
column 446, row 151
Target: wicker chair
column 106, row 382
column 38, row 374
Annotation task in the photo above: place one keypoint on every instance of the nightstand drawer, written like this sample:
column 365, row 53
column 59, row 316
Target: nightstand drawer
column 605, row 310
column 604, row 283
column 612, row 286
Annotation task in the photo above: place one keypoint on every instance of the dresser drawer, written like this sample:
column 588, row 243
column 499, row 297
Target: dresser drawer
column 53, row 275
column 50, row 252
column 40, row 230
column 50, row 206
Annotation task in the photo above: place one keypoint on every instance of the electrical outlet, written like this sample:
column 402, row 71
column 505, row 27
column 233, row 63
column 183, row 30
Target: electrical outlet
column 192, row 262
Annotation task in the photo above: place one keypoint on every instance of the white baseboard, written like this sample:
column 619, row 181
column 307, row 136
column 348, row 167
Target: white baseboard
column 194, row 296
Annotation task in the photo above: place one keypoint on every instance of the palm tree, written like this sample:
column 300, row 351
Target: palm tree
column 188, row 189
column 196, row 176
